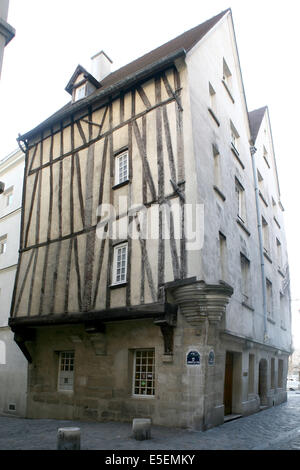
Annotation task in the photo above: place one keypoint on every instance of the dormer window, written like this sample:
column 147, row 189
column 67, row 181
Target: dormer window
column 80, row 92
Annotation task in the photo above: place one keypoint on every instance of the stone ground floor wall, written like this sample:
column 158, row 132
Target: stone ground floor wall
column 13, row 376
column 189, row 385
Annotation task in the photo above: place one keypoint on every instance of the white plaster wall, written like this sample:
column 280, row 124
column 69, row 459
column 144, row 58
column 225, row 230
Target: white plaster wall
column 280, row 326
column 205, row 65
column 13, row 377
column 13, row 373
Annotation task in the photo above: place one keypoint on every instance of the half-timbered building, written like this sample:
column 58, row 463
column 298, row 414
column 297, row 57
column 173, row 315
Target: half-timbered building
column 140, row 290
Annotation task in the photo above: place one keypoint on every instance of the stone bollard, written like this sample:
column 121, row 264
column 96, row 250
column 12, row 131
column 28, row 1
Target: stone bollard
column 141, row 428
column 68, row 439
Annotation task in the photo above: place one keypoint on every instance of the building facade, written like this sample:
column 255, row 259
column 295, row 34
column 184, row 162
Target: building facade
column 6, row 31
column 13, row 365
column 140, row 289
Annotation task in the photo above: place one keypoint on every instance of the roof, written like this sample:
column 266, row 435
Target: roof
column 255, row 120
column 184, row 42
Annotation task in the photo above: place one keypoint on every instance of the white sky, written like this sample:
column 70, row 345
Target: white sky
column 54, row 36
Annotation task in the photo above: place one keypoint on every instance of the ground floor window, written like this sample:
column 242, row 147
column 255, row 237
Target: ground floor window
column 66, row 371
column 144, row 372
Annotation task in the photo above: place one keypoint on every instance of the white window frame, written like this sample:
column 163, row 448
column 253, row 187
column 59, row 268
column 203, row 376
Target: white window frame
column 227, row 75
column 266, row 235
column 67, row 361
column 212, row 98
column 235, row 138
column 8, row 194
column 80, row 92
column 118, row 264
column 246, row 278
column 3, row 244
column 269, row 288
column 140, row 376
column 241, row 201
column 121, row 175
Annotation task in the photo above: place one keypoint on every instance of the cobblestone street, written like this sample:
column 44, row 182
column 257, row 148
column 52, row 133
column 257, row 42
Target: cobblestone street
column 276, row 428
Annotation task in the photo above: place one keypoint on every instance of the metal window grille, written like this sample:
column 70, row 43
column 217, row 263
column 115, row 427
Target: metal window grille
column 144, row 373
column 66, row 370
column 120, row 264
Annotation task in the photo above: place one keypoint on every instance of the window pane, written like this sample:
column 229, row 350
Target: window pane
column 144, row 383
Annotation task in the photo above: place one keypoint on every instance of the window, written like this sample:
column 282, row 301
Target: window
column 260, row 181
column 223, row 256
column 234, row 138
column 121, row 168
column 245, row 269
column 144, row 373
column 279, row 253
column 266, row 157
column 265, row 231
column 269, row 298
column 227, row 76
column 282, row 310
column 80, row 92
column 66, row 371
column 213, row 104
column 8, row 194
column 120, row 263
column 241, row 203
column 217, row 172
column 3, row 244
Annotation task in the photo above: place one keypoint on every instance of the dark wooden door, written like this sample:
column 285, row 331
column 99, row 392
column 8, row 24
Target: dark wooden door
column 228, row 383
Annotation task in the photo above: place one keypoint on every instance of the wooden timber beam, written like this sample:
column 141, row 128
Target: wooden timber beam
column 144, row 311
column 21, row 337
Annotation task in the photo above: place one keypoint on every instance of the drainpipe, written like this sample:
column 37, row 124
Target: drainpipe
column 261, row 248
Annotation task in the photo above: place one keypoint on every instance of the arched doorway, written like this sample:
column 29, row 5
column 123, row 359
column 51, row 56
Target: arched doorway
column 263, row 381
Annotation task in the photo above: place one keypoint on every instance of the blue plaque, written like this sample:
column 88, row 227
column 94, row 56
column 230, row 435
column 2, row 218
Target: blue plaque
column 211, row 358
column 193, row 358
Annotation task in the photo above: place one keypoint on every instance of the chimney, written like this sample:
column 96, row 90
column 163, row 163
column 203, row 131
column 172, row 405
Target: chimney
column 101, row 66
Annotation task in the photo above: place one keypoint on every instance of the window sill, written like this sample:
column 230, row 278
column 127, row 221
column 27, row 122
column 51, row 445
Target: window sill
column 219, row 192
column 242, row 225
column 277, row 223
column 266, row 160
column 228, row 91
column 270, row 319
column 249, row 307
column 143, row 397
column 214, row 117
column 237, row 156
column 267, row 256
column 263, row 198
column 115, row 286
column 119, row 185
column 281, row 273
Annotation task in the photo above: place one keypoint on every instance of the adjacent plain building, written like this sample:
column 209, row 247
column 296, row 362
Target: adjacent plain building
column 153, row 273
column 13, row 365
column 7, row 32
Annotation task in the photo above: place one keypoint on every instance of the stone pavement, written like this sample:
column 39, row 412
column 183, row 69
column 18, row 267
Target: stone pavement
column 276, row 428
